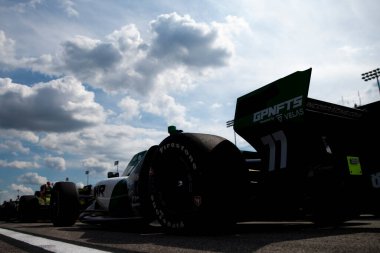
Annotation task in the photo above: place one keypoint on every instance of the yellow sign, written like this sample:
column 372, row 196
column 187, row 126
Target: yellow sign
column 354, row 165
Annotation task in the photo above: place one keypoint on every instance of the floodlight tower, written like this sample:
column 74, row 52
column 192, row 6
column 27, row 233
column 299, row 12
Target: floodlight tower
column 372, row 75
column 230, row 123
column 87, row 173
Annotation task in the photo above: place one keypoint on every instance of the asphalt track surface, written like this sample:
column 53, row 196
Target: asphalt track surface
column 362, row 235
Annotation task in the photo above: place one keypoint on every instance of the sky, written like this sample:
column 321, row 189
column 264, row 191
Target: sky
column 85, row 83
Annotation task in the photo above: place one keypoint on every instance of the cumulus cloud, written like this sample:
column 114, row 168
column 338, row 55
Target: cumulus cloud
column 180, row 49
column 21, row 135
column 23, row 190
column 130, row 107
column 32, row 178
column 160, row 104
column 86, row 57
column 128, row 40
column 59, row 105
column 102, row 145
column 124, row 62
column 56, row 163
column 93, row 165
column 179, row 39
column 108, row 64
column 14, row 146
column 165, row 106
column 19, row 164
column 149, row 73
column 6, row 50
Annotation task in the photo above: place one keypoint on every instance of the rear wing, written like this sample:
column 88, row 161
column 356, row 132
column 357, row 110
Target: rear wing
column 281, row 100
column 290, row 130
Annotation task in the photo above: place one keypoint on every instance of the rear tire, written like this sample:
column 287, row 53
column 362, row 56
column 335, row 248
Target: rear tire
column 28, row 208
column 197, row 181
column 64, row 204
column 329, row 202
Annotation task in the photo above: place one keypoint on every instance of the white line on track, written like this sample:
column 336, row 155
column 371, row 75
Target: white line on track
column 47, row 244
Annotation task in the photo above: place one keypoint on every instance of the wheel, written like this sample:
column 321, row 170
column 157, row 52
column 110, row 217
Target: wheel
column 9, row 210
column 329, row 202
column 325, row 213
column 28, row 208
column 197, row 181
column 64, row 204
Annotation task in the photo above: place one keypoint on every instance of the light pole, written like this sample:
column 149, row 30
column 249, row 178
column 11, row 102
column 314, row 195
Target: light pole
column 230, row 123
column 116, row 163
column 372, row 75
column 87, row 173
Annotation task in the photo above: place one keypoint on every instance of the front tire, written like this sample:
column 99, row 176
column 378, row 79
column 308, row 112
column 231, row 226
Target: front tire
column 64, row 204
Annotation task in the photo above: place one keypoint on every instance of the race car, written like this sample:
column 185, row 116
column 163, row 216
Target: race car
column 38, row 206
column 311, row 161
column 115, row 199
column 31, row 208
column 8, row 210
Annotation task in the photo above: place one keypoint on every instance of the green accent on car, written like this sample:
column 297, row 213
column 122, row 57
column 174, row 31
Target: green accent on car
column 354, row 165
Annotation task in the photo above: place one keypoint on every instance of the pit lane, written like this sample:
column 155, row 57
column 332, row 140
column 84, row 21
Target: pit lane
column 362, row 235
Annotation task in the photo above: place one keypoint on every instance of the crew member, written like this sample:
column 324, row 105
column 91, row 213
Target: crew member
column 45, row 192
